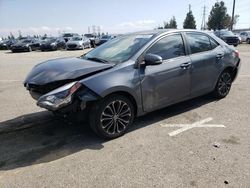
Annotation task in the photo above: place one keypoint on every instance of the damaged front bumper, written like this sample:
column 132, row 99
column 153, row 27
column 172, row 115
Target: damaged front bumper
column 65, row 99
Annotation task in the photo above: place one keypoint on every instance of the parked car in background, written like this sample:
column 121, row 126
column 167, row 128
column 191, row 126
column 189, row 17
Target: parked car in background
column 78, row 43
column 245, row 36
column 53, row 43
column 6, row 44
column 227, row 36
column 68, row 36
column 133, row 75
column 104, row 38
column 93, row 39
column 26, row 45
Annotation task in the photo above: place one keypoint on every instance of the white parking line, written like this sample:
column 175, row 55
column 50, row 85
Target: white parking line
column 11, row 80
column 244, row 75
column 198, row 124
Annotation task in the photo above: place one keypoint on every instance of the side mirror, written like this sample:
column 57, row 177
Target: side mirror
column 152, row 59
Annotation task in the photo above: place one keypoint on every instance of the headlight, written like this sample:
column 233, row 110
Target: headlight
column 53, row 44
column 59, row 97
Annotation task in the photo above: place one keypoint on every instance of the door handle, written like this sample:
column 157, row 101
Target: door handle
column 185, row 65
column 219, row 56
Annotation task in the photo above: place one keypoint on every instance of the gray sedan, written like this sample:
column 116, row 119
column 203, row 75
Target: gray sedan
column 78, row 43
column 133, row 75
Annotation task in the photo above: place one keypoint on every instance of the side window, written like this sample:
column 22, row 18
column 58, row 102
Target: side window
column 214, row 43
column 198, row 42
column 169, row 47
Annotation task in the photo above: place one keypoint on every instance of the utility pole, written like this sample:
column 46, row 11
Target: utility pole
column 203, row 23
column 232, row 21
column 189, row 8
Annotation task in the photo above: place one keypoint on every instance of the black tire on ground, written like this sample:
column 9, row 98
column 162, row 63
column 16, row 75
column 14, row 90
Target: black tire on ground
column 223, row 85
column 248, row 41
column 111, row 116
column 235, row 45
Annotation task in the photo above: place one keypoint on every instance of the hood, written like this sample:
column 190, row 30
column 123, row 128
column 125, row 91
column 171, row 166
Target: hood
column 74, row 42
column 20, row 44
column 228, row 36
column 63, row 69
column 47, row 43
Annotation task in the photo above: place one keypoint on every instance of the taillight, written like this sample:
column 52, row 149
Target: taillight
column 236, row 53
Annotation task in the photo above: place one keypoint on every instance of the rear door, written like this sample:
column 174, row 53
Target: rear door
column 206, row 55
column 168, row 82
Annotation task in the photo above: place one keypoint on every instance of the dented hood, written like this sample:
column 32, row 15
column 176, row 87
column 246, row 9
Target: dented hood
column 63, row 69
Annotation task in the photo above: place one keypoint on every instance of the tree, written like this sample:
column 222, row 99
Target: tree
column 172, row 24
column 218, row 18
column 189, row 22
column 166, row 25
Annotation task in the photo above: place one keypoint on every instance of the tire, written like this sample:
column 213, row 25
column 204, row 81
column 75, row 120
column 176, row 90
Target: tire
column 223, row 85
column 111, row 117
column 30, row 49
column 248, row 41
column 235, row 45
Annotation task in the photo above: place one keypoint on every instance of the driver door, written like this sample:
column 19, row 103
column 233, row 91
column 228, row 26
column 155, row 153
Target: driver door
column 169, row 82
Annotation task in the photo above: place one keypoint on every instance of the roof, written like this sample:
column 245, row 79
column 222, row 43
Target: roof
column 161, row 31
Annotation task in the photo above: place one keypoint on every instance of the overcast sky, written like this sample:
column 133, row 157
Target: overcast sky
column 113, row 16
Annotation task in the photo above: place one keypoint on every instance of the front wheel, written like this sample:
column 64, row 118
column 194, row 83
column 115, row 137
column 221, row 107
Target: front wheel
column 223, row 85
column 111, row 117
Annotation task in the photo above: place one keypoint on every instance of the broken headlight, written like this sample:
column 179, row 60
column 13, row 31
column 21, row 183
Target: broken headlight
column 59, row 97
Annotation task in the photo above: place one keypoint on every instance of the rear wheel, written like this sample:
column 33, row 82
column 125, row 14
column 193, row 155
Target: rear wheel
column 111, row 117
column 248, row 41
column 223, row 85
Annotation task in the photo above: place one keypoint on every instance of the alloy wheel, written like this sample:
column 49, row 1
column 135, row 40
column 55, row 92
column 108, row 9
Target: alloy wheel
column 115, row 117
column 224, row 84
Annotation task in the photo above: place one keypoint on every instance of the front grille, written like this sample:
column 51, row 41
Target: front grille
column 72, row 45
column 232, row 40
column 43, row 89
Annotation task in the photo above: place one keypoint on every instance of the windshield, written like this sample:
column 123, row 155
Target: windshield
column 106, row 37
column 26, row 41
column 50, row 40
column 226, row 33
column 76, row 38
column 68, row 35
column 119, row 49
column 89, row 35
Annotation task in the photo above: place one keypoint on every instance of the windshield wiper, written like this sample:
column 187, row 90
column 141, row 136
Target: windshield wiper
column 97, row 59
